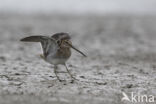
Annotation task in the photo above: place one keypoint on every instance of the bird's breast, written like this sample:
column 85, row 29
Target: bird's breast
column 60, row 56
column 63, row 52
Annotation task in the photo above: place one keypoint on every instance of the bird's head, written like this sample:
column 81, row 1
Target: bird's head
column 64, row 40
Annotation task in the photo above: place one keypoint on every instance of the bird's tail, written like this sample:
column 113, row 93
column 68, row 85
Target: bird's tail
column 33, row 39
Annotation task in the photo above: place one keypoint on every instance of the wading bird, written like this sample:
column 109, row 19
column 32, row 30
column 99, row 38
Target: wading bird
column 56, row 49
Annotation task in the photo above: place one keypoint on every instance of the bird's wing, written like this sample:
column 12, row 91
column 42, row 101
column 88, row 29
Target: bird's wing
column 48, row 44
column 37, row 38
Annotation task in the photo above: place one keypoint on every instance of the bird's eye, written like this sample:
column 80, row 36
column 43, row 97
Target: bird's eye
column 59, row 42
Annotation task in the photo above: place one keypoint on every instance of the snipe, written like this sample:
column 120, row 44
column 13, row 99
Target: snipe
column 56, row 49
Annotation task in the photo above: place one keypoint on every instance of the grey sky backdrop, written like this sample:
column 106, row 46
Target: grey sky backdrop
column 79, row 6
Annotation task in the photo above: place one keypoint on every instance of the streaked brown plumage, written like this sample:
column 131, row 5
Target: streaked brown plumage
column 56, row 49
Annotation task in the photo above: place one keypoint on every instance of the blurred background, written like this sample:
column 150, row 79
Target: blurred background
column 79, row 6
column 118, row 36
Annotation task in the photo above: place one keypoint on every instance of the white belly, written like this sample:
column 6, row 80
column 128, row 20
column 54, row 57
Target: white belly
column 55, row 61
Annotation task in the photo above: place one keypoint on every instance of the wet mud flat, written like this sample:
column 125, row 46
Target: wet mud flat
column 121, row 54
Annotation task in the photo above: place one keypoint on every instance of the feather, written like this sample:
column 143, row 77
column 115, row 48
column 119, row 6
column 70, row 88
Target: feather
column 48, row 44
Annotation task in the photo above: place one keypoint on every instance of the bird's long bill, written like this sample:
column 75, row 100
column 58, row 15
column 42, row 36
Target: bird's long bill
column 77, row 50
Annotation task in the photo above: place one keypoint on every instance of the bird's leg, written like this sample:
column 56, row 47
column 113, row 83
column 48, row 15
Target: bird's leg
column 70, row 73
column 55, row 71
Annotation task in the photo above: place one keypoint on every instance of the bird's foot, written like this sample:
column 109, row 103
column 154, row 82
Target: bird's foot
column 60, row 80
column 73, row 79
